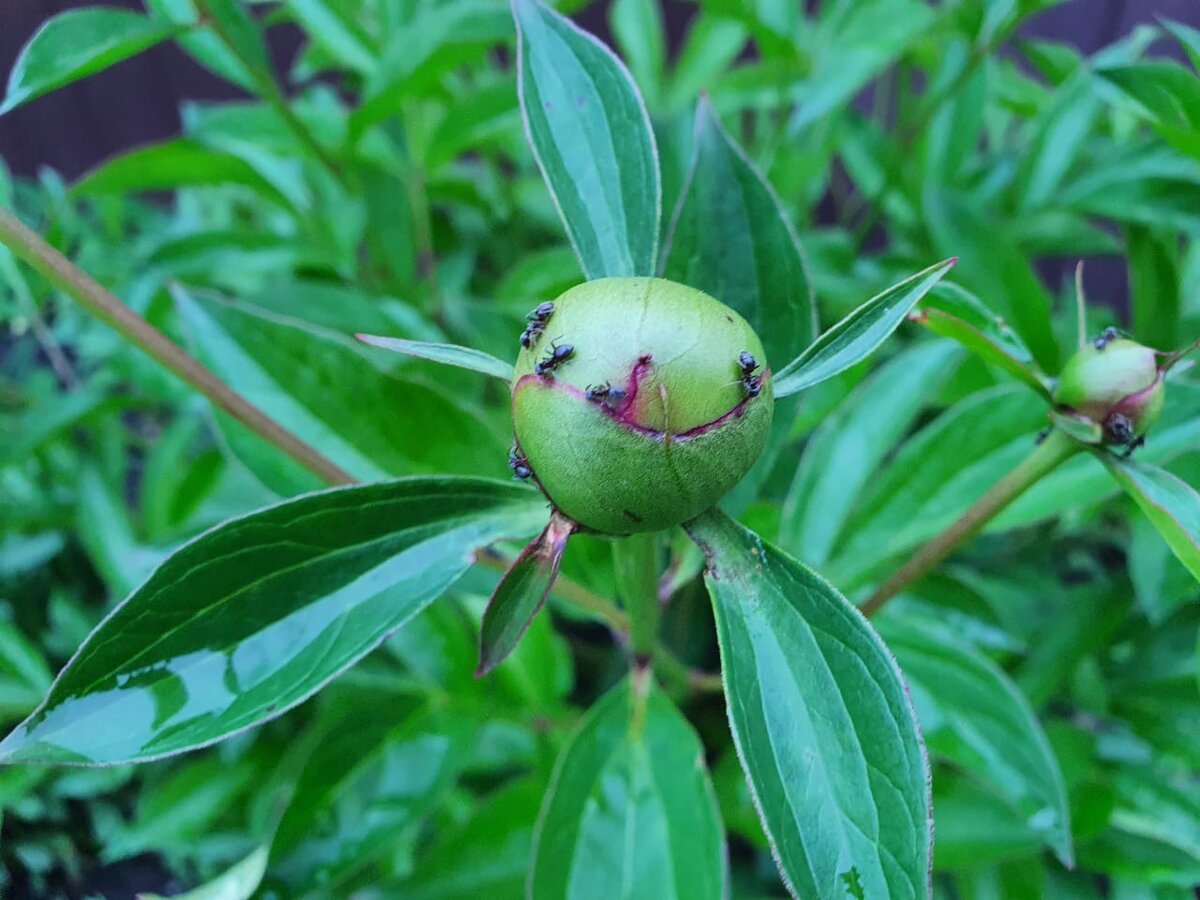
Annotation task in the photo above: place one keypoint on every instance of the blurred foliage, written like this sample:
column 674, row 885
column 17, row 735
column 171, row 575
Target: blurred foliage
column 1053, row 662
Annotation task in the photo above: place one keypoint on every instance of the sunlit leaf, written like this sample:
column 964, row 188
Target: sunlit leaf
column 447, row 354
column 259, row 613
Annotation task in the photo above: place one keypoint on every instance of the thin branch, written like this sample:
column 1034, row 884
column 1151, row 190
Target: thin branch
column 29, row 247
column 1048, row 455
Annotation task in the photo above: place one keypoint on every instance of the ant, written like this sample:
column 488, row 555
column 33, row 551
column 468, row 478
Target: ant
column 1119, row 430
column 751, row 383
column 519, row 464
column 558, row 355
column 537, row 323
column 1106, row 337
column 605, row 393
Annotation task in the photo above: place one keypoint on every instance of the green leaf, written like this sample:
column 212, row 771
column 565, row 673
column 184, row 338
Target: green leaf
column 488, row 856
column 591, row 135
column 1166, row 94
column 630, row 809
column 842, row 455
column 24, row 676
column 239, row 882
column 336, row 395
column 239, row 30
column 521, row 593
column 732, row 239
column 822, row 722
column 638, row 28
column 1170, row 503
column 974, row 716
column 258, row 614
column 202, row 44
column 1188, row 37
column 869, row 36
column 935, row 475
column 994, row 268
column 859, row 334
column 1154, row 285
column 78, row 43
column 447, row 354
column 174, row 164
column 329, row 28
column 954, row 313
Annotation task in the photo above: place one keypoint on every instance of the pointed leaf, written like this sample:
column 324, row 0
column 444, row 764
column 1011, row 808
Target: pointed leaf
column 954, row 313
column 822, row 722
column 258, row 614
column 731, row 238
column 447, row 354
column 521, row 593
column 1077, row 426
column 1170, row 503
column 630, row 810
column 859, row 334
column 974, row 716
column 78, row 43
column 591, row 135
column 341, row 398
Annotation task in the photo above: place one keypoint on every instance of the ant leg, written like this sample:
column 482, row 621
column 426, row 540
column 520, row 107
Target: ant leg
column 1133, row 445
column 1042, row 435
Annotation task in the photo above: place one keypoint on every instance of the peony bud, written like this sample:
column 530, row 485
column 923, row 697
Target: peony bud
column 1117, row 384
column 639, row 402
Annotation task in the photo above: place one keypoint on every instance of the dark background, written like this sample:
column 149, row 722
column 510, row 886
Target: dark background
column 137, row 102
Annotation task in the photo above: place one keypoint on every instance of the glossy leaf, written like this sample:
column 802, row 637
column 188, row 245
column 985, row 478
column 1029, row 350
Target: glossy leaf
column 974, row 716
column 952, row 312
column 731, row 238
column 859, row 334
column 78, row 43
column 630, row 810
column 259, row 613
column 1171, row 504
column 592, row 138
column 822, row 721
column 447, row 354
column 521, row 593
column 338, row 396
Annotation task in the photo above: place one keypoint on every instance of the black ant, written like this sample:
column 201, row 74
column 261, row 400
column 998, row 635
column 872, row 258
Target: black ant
column 537, row 323
column 1106, row 337
column 519, row 464
column 605, row 393
column 559, row 354
column 751, row 383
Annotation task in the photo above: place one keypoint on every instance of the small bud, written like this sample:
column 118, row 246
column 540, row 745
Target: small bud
column 647, row 421
column 1117, row 384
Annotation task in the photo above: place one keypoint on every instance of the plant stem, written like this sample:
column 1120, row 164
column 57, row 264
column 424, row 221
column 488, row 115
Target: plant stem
column 29, row 247
column 1053, row 451
column 635, row 560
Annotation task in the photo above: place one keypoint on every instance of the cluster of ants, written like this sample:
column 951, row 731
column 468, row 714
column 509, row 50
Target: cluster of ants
column 608, row 395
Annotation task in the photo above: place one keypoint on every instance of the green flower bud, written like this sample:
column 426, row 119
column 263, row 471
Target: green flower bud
column 651, row 415
column 1117, row 385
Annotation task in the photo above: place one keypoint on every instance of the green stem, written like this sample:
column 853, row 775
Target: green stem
column 29, row 247
column 273, row 93
column 1054, row 450
column 635, row 559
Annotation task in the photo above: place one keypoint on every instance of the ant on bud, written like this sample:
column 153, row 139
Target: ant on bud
column 751, row 383
column 559, row 354
column 537, row 323
column 1106, row 337
column 606, row 394
column 519, row 464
